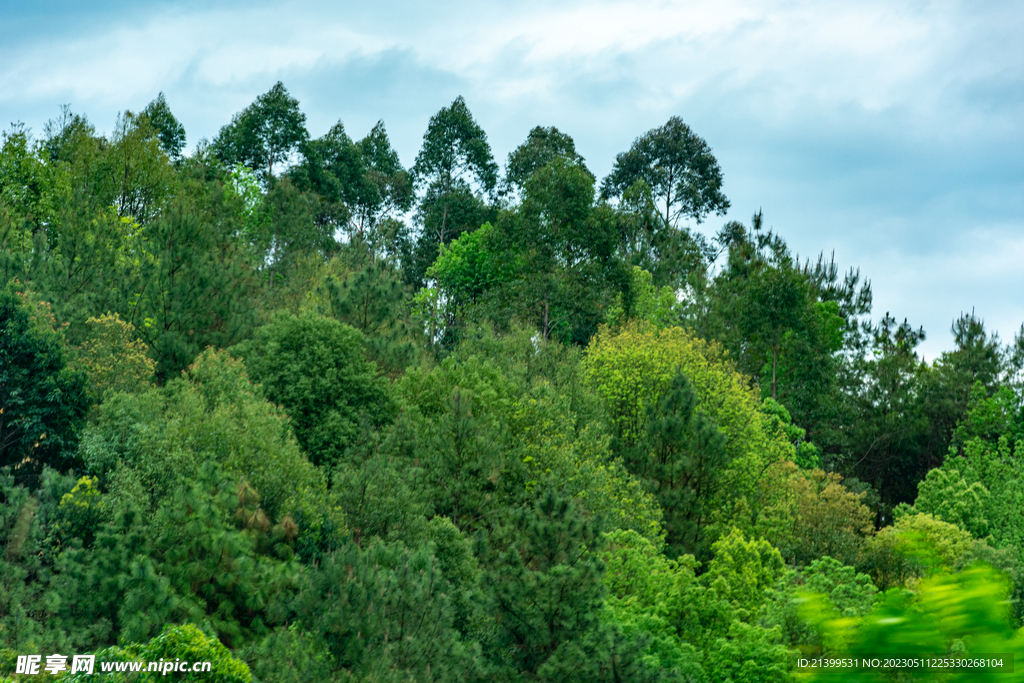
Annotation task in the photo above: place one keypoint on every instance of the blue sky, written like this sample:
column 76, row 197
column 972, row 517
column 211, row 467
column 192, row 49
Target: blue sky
column 891, row 133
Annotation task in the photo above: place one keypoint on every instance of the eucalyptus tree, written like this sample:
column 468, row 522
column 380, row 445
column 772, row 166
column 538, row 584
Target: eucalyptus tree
column 269, row 131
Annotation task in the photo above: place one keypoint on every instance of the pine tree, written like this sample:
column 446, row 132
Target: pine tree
column 681, row 460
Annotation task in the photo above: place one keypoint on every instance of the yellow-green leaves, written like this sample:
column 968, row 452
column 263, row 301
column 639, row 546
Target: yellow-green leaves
column 114, row 358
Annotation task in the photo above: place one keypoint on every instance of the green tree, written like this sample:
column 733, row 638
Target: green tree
column 332, row 166
column 632, row 369
column 372, row 298
column 890, row 423
column 464, row 457
column 42, row 400
column 453, row 169
column 193, row 288
column 315, row 368
column 385, row 614
column 384, row 171
column 145, row 446
column 681, row 459
column 679, row 168
column 542, row 145
column 168, row 129
column 114, row 358
column 26, row 181
column 269, row 131
column 545, row 594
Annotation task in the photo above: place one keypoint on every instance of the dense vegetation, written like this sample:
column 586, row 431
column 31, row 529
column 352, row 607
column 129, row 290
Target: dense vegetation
column 322, row 417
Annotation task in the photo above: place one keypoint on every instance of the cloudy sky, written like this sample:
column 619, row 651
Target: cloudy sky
column 891, row 133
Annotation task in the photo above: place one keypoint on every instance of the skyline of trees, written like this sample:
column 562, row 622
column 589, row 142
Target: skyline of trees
column 284, row 400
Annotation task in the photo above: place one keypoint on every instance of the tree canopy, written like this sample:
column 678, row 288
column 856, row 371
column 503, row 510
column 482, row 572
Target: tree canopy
column 284, row 404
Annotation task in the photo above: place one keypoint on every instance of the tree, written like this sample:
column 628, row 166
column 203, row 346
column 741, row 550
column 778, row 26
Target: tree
column 136, row 169
column 315, row 368
column 193, row 288
column 385, row 173
column 372, row 298
column 168, row 129
column 386, row 614
column 889, row 426
column 114, row 358
column 464, row 460
column 42, row 401
column 144, row 447
column 781, row 326
column 453, row 169
column 678, row 167
column 681, row 459
column 548, row 263
column 542, row 145
column 26, row 181
column 808, row 514
column 632, row 368
column 333, row 168
column 289, row 233
column 267, row 132
column 545, row 593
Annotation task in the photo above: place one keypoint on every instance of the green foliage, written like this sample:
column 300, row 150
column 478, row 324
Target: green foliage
column 193, row 289
column 656, row 306
column 515, row 490
column 632, row 370
column 453, row 168
column 808, row 514
column 186, row 643
column 42, row 400
column 523, row 431
column 945, row 495
column 542, row 145
column 213, row 565
column 646, row 592
column 678, row 166
column 113, row 358
column 150, row 445
column 917, row 545
column 168, row 129
column 852, row 594
column 135, row 170
column 372, row 298
column 681, row 459
column 545, row 595
column 385, row 613
column 807, row 455
column 314, row 367
column 266, row 132
column 955, row 614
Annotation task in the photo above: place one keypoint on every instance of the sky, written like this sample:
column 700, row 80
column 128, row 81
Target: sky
column 889, row 133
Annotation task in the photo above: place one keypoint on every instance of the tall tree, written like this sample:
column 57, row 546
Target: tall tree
column 269, row 131
column 679, row 168
column 333, row 168
column 454, row 169
column 194, row 286
column 542, row 145
column 136, row 169
column 168, row 129
column 682, row 460
column 385, row 172
column 372, row 298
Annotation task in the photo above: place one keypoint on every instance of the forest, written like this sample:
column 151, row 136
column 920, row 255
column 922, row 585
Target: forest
column 283, row 404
